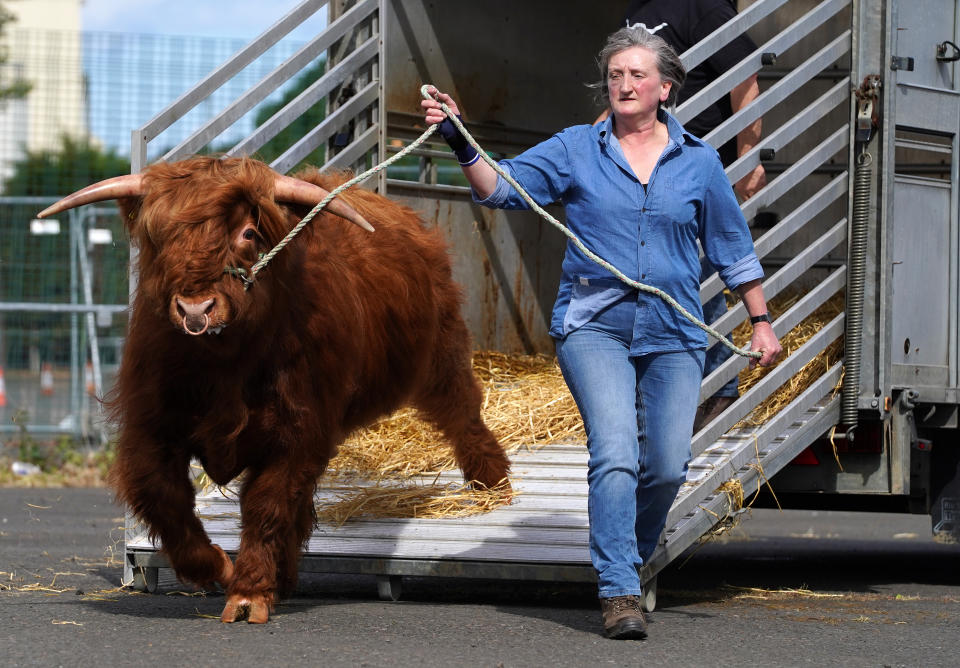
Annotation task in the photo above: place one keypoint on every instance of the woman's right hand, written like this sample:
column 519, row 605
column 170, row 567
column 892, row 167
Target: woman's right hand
column 433, row 113
column 482, row 177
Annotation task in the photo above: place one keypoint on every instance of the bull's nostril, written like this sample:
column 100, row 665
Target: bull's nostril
column 195, row 308
column 195, row 316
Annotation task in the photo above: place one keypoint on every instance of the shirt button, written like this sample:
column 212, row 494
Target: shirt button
column 643, row 243
column 643, row 275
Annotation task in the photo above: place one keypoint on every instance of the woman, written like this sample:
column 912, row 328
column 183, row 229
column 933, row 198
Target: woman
column 640, row 192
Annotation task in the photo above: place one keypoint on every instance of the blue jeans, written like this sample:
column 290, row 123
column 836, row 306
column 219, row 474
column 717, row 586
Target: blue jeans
column 638, row 414
column 713, row 308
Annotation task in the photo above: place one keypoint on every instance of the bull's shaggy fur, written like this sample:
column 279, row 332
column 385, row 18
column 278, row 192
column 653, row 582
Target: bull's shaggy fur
column 341, row 328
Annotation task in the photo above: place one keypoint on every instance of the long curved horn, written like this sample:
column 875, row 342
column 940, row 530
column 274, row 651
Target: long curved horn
column 128, row 185
column 289, row 189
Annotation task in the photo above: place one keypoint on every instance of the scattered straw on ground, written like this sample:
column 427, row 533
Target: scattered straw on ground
column 766, row 594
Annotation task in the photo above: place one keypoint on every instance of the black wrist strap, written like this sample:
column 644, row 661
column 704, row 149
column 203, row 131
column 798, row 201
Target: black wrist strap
column 763, row 317
column 466, row 154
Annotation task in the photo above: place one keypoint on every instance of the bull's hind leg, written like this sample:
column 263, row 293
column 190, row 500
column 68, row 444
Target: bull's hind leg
column 278, row 515
column 452, row 402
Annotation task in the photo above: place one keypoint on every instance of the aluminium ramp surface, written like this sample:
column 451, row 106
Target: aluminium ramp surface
column 543, row 534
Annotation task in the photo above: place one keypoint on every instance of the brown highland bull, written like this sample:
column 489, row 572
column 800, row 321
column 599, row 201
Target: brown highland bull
column 342, row 327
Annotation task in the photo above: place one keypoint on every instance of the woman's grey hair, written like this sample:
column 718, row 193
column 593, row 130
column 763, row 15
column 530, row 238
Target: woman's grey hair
column 668, row 62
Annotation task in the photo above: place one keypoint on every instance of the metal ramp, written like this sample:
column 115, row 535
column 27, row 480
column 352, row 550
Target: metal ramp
column 543, row 534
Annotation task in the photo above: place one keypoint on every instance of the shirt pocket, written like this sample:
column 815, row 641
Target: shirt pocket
column 675, row 205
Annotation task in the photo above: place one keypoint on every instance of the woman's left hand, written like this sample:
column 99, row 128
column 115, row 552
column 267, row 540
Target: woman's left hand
column 766, row 342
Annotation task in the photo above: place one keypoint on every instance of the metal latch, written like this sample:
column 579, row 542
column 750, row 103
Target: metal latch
column 867, row 105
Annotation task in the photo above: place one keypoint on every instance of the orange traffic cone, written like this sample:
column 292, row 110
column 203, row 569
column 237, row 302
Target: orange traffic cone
column 3, row 389
column 88, row 379
column 46, row 379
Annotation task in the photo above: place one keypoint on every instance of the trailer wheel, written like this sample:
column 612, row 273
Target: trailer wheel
column 648, row 599
column 944, row 484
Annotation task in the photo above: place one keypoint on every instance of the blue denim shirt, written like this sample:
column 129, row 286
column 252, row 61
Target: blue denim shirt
column 649, row 234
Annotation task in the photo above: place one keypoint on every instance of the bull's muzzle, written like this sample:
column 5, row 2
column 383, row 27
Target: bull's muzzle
column 195, row 316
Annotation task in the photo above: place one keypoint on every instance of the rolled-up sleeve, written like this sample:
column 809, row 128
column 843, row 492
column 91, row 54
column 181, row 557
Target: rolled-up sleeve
column 499, row 195
column 745, row 269
column 724, row 234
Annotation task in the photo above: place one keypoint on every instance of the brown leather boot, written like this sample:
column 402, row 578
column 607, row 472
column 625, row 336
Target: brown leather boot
column 710, row 409
column 622, row 618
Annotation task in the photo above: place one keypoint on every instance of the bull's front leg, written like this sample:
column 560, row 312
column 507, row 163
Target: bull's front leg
column 278, row 515
column 154, row 482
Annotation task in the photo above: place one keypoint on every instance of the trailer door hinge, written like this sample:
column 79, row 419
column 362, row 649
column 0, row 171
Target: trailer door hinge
column 901, row 63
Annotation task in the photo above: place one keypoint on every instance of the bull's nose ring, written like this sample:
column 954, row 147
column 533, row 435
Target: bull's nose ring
column 206, row 325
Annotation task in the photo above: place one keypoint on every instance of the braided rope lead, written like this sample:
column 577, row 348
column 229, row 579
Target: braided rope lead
column 579, row 244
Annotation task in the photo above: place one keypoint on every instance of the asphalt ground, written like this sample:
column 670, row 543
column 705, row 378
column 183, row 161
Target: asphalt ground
column 782, row 589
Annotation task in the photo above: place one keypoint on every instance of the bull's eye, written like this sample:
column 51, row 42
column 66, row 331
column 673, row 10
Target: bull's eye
column 249, row 234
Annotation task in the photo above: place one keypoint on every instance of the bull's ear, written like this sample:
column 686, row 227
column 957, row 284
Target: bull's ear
column 130, row 210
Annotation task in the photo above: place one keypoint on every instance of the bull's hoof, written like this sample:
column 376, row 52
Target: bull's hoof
column 226, row 568
column 255, row 609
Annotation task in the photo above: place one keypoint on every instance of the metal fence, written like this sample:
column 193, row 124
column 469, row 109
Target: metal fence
column 62, row 318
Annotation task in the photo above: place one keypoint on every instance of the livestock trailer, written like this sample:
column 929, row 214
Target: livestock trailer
column 860, row 104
